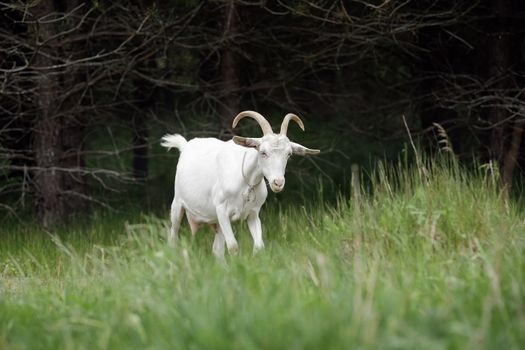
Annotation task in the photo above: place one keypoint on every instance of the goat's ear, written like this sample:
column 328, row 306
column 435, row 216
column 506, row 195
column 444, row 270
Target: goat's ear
column 303, row 151
column 246, row 141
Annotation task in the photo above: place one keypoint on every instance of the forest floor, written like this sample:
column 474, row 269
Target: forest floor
column 425, row 260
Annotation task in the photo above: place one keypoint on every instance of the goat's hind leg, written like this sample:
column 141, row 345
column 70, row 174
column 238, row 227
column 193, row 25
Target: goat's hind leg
column 176, row 216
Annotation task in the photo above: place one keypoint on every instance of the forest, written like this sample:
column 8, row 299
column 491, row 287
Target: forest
column 407, row 230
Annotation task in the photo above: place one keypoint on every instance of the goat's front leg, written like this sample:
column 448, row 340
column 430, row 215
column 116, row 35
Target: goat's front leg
column 254, row 225
column 218, row 242
column 226, row 228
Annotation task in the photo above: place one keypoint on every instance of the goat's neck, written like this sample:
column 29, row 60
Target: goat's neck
column 252, row 173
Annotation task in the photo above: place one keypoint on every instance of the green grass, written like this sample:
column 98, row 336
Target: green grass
column 428, row 261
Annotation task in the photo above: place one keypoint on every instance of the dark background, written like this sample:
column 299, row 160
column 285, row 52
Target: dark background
column 89, row 87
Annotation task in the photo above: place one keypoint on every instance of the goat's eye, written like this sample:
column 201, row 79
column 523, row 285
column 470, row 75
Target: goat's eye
column 289, row 155
column 264, row 154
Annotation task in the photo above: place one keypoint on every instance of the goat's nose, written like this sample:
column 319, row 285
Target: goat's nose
column 278, row 182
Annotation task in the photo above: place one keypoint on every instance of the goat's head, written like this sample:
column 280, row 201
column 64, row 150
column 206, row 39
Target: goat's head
column 274, row 149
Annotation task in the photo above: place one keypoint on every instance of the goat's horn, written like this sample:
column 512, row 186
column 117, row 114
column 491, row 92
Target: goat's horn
column 286, row 121
column 265, row 126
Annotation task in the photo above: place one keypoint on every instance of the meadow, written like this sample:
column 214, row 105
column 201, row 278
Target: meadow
column 431, row 259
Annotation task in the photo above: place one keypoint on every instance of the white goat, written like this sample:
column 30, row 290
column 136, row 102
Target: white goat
column 218, row 182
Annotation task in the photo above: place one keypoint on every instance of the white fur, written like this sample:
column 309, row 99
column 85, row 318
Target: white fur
column 173, row 141
column 218, row 182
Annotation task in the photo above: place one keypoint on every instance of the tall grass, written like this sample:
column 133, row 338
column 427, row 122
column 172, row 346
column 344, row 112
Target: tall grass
column 426, row 259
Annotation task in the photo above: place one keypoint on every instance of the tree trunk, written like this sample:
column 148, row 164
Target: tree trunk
column 511, row 157
column 46, row 143
column 58, row 141
column 499, row 45
column 229, row 79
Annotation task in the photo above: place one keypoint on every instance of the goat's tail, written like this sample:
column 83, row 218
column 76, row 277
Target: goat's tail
column 171, row 141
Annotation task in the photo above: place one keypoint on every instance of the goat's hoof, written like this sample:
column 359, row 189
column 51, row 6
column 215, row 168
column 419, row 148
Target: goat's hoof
column 234, row 249
column 172, row 242
column 220, row 258
column 257, row 249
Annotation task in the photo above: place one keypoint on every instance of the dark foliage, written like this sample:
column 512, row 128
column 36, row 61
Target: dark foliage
column 73, row 68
